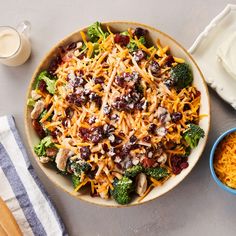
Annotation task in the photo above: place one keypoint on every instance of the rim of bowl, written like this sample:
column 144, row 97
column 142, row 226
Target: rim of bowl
column 58, row 44
column 212, row 154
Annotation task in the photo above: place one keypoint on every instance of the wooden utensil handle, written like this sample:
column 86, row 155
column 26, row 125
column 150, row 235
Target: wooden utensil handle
column 8, row 224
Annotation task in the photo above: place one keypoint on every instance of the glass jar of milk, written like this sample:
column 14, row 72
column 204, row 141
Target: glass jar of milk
column 15, row 47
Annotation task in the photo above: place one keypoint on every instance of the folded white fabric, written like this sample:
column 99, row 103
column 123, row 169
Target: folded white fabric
column 21, row 189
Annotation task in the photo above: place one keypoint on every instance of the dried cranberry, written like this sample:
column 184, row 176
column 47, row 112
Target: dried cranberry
column 107, row 129
column 95, row 138
column 134, row 146
column 81, row 56
column 184, row 165
column 69, row 112
column 169, row 60
column 176, row 170
column 114, row 117
column 178, row 163
column 154, row 67
column 176, row 160
column 115, row 141
column 94, row 97
column 105, row 147
column 140, row 32
column 118, row 165
column 91, row 174
column 62, row 50
column 70, row 98
column 54, row 64
column 71, row 46
column 84, row 133
column 38, row 128
column 147, row 139
column 121, row 134
column 96, row 134
column 127, row 77
column 139, row 55
column 42, row 86
column 176, row 116
column 98, row 80
column 85, row 152
column 79, row 81
column 119, row 104
column 198, row 93
column 65, row 122
column 186, row 107
column 81, row 99
column 152, row 128
column 125, row 150
column 97, row 130
column 119, row 81
column 133, row 139
column 123, row 40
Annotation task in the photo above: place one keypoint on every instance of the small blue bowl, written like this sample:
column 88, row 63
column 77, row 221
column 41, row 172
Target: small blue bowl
column 223, row 186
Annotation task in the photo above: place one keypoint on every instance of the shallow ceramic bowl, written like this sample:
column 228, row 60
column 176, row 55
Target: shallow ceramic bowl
column 178, row 51
column 211, row 162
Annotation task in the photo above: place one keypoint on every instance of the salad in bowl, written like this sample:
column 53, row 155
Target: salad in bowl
column 116, row 113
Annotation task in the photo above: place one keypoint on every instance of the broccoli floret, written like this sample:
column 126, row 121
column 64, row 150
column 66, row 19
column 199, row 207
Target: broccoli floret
column 50, row 81
column 75, row 180
column 45, row 143
column 187, row 151
column 78, row 168
column 193, row 134
column 157, row 172
column 122, row 190
column 181, row 75
column 95, row 32
column 133, row 171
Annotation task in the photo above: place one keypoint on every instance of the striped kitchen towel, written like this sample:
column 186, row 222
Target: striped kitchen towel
column 21, row 189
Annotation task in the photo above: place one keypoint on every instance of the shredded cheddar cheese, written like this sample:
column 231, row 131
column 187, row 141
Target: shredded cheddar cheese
column 225, row 160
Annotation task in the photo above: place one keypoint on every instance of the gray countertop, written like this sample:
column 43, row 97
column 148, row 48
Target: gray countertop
column 197, row 206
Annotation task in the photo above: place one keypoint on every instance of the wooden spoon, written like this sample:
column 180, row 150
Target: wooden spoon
column 8, row 224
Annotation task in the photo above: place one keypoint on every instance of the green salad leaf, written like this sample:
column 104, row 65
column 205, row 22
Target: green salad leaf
column 132, row 46
column 95, row 32
column 30, row 102
column 40, row 149
column 49, row 80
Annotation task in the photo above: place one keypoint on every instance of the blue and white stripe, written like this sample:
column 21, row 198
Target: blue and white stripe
column 21, row 188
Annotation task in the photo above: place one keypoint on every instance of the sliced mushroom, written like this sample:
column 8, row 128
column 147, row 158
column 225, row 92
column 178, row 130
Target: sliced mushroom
column 38, row 108
column 44, row 160
column 61, row 158
column 163, row 158
column 141, row 184
column 35, row 96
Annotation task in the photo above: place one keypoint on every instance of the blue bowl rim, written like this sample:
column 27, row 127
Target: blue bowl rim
column 219, row 139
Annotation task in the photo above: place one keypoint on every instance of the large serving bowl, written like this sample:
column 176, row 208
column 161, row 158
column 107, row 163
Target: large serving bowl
column 177, row 50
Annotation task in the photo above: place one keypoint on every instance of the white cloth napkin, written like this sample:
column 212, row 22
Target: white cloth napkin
column 21, row 189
